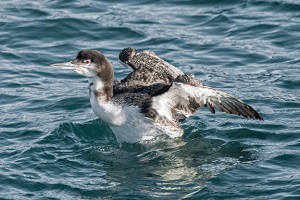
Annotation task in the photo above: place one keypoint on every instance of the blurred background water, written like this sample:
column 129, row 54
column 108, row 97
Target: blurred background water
column 54, row 147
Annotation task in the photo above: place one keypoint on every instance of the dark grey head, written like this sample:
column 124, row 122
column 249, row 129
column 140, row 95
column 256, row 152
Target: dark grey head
column 127, row 53
column 90, row 63
column 91, row 55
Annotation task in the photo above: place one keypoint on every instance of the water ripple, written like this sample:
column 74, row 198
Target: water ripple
column 54, row 147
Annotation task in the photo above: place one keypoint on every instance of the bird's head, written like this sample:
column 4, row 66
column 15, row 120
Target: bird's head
column 89, row 63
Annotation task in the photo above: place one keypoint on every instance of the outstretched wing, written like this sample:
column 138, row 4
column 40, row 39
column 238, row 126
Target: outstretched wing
column 148, row 68
column 185, row 96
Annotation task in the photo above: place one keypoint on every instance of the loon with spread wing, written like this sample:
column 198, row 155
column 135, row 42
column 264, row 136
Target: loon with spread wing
column 153, row 99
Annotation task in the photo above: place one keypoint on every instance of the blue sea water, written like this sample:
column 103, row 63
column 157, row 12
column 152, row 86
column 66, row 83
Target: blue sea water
column 54, row 147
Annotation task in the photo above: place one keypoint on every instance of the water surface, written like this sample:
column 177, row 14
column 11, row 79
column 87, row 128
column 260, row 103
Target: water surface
column 54, row 147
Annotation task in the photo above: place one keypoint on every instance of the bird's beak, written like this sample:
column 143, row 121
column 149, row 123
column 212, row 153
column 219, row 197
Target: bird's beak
column 65, row 65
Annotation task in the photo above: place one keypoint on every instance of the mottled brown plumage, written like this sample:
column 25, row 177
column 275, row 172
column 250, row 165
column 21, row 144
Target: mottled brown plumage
column 151, row 74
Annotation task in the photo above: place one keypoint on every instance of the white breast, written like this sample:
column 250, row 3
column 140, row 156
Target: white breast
column 107, row 111
column 128, row 123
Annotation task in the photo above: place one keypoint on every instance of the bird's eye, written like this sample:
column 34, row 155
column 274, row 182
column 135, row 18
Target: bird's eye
column 86, row 61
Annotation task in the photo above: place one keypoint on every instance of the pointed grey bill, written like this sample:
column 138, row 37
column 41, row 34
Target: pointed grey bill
column 65, row 65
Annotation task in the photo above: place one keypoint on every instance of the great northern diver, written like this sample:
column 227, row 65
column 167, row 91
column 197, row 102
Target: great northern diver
column 152, row 100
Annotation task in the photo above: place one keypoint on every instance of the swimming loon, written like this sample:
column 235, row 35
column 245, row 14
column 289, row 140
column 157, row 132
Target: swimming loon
column 153, row 99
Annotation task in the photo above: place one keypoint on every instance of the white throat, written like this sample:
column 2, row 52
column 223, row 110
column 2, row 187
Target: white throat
column 105, row 110
column 95, row 84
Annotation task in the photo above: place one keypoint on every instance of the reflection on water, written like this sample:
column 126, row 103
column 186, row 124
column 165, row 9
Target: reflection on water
column 170, row 166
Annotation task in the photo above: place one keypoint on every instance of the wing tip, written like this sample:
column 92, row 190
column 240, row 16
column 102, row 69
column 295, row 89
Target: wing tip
column 254, row 113
column 240, row 108
column 258, row 117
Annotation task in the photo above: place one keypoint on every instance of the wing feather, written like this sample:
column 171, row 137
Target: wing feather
column 174, row 94
column 186, row 99
column 148, row 68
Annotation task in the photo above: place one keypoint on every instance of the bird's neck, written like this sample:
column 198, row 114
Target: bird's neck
column 102, row 89
column 100, row 98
